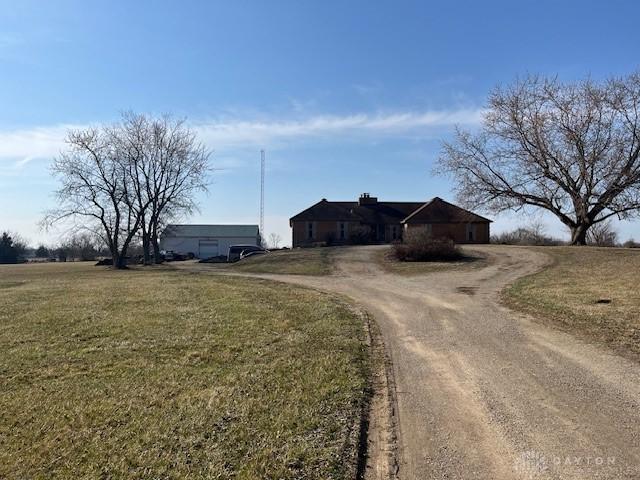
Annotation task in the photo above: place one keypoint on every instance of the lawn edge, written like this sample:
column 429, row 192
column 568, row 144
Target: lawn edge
column 510, row 302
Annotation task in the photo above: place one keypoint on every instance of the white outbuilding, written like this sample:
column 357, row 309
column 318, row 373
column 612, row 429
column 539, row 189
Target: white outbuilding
column 205, row 241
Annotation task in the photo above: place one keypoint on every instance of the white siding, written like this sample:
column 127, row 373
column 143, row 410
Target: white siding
column 186, row 245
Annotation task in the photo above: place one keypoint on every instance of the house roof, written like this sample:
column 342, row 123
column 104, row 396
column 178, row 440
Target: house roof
column 385, row 212
column 380, row 212
column 434, row 211
column 438, row 210
column 173, row 230
column 325, row 210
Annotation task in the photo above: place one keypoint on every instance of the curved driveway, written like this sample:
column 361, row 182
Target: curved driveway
column 485, row 393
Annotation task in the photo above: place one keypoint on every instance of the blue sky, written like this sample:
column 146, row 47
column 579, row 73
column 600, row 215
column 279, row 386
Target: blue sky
column 345, row 96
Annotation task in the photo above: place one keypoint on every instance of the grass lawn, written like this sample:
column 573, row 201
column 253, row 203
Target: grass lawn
column 388, row 263
column 566, row 295
column 155, row 373
column 298, row 261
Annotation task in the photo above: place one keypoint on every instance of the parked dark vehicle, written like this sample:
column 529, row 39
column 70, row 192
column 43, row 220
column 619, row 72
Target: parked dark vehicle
column 246, row 254
column 171, row 256
column 236, row 252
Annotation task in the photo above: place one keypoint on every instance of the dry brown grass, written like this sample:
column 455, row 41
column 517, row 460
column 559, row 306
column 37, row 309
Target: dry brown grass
column 155, row 373
column 566, row 295
column 297, row 261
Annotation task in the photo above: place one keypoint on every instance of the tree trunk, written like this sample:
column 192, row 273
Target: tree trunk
column 116, row 260
column 156, row 245
column 146, row 247
column 122, row 254
column 579, row 234
column 156, row 249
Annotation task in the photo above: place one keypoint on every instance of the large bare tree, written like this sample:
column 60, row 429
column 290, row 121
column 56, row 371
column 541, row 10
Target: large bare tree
column 128, row 179
column 178, row 168
column 96, row 191
column 572, row 149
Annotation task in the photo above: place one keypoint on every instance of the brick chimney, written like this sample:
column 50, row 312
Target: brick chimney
column 366, row 199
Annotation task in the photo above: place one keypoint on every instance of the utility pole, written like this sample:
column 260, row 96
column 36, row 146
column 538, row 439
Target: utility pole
column 262, row 232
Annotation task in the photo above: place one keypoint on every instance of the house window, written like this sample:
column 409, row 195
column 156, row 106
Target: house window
column 310, row 232
column 394, row 232
column 342, row 230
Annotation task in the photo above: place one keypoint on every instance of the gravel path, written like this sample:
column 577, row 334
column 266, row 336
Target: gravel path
column 485, row 393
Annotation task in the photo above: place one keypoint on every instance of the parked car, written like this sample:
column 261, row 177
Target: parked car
column 246, row 254
column 172, row 256
column 236, row 252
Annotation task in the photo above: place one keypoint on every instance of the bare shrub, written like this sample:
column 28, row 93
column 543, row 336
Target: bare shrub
column 419, row 246
column 81, row 247
column 531, row 235
column 631, row 243
column 274, row 241
column 602, row 235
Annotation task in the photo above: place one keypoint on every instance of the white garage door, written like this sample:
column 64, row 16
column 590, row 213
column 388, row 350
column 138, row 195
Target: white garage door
column 208, row 248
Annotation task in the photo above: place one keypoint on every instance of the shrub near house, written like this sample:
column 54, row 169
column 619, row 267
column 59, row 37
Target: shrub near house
column 419, row 246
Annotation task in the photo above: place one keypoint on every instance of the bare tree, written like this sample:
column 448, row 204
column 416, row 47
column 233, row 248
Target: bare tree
column 571, row 149
column 176, row 168
column 42, row 252
column 602, row 234
column 274, row 240
column 134, row 145
column 96, row 192
column 127, row 180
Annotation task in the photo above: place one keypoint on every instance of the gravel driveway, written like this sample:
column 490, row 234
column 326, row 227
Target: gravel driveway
column 485, row 393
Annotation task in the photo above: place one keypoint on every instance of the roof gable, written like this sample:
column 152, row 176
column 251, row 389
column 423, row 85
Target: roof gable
column 325, row 210
column 439, row 211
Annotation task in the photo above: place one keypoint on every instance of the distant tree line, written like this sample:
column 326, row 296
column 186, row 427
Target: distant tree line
column 80, row 247
column 124, row 182
column 602, row 234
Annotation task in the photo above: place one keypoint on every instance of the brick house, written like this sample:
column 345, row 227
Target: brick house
column 384, row 222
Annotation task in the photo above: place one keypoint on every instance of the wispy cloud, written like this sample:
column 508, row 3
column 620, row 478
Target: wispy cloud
column 221, row 134
column 22, row 146
column 19, row 147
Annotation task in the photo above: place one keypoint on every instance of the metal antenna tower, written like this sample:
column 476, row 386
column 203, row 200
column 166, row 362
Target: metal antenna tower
column 262, row 234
